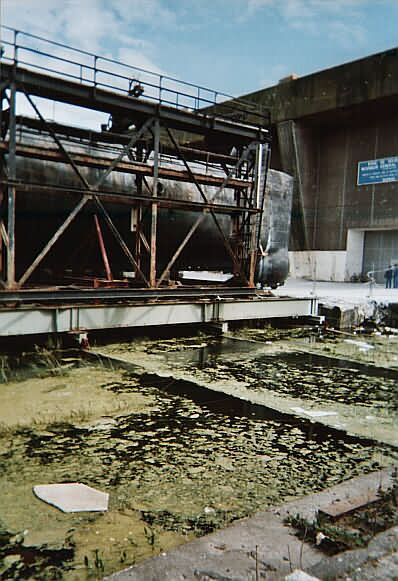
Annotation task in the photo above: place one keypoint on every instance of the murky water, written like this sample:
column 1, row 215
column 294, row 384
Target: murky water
column 378, row 348
column 307, row 376
column 177, row 460
column 315, row 378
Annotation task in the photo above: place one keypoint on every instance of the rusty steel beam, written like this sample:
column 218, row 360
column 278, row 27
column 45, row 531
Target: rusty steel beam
column 110, row 137
column 127, row 198
column 181, row 247
column 53, row 240
column 253, row 249
column 3, row 234
column 11, row 200
column 103, row 249
column 79, row 159
column 124, row 152
column 119, row 239
column 227, row 245
column 145, row 242
column 64, row 152
column 154, row 206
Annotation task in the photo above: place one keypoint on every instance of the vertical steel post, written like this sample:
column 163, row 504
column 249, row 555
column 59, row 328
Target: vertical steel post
column 136, row 212
column 12, row 174
column 254, row 227
column 154, row 221
column 136, row 219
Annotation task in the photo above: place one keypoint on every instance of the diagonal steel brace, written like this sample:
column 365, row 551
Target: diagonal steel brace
column 59, row 143
column 90, row 187
column 181, row 247
column 204, row 197
column 51, row 242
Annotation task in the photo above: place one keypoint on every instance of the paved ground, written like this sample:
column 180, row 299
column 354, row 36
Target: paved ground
column 355, row 302
column 338, row 292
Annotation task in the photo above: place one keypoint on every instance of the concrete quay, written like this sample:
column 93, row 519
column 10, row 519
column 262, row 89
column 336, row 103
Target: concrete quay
column 345, row 304
column 264, row 547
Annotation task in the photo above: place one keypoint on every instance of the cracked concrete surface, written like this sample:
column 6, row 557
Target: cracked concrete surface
column 264, row 547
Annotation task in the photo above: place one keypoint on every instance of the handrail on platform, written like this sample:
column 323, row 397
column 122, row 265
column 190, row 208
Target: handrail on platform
column 32, row 51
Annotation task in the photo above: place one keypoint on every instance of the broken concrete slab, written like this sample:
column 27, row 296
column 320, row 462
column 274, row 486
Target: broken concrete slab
column 343, row 506
column 264, row 546
column 72, row 497
column 299, row 575
column 378, row 561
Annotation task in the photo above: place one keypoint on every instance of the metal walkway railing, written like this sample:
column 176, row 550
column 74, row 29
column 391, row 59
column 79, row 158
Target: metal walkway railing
column 40, row 54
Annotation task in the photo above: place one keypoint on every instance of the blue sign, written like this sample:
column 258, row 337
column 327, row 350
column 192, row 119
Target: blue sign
column 378, row 171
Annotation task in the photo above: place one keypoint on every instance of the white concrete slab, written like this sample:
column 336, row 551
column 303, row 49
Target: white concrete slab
column 299, row 575
column 314, row 413
column 72, row 497
column 205, row 275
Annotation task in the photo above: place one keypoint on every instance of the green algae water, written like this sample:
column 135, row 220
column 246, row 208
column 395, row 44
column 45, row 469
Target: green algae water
column 178, row 461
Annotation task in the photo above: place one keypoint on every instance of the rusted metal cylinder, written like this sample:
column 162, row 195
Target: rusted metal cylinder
column 41, row 212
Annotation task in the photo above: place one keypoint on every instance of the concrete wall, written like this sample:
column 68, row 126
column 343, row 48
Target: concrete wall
column 351, row 84
column 340, row 204
column 323, row 125
column 318, row 265
column 355, row 248
column 327, row 201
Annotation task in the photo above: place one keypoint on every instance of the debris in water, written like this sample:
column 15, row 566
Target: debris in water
column 72, row 497
column 391, row 330
column 209, row 510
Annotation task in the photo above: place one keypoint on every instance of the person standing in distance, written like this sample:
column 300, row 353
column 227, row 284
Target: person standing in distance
column 388, row 276
column 395, row 276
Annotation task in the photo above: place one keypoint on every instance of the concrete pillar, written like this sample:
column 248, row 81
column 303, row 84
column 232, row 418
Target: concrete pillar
column 354, row 255
column 298, row 151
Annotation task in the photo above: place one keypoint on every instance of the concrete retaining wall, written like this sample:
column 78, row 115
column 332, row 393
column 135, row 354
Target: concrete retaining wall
column 319, row 265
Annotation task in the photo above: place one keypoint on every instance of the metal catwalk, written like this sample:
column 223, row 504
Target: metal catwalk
column 173, row 182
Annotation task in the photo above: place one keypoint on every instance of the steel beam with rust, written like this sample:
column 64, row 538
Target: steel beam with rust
column 110, row 138
column 11, row 201
column 52, row 154
column 74, row 317
column 154, row 205
column 125, row 198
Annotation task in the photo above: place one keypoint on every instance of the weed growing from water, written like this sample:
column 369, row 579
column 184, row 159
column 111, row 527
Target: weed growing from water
column 5, row 430
column 41, row 362
column 4, row 368
column 335, row 538
column 150, row 536
column 98, row 561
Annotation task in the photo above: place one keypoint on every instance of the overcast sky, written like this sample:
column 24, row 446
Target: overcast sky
column 235, row 46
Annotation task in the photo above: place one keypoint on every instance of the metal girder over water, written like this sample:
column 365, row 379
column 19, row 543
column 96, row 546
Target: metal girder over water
column 66, row 318
column 158, row 128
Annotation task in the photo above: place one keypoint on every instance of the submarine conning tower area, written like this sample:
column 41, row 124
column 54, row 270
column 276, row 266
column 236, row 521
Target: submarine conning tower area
column 167, row 213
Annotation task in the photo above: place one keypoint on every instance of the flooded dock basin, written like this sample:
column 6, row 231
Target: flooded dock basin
column 178, row 459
